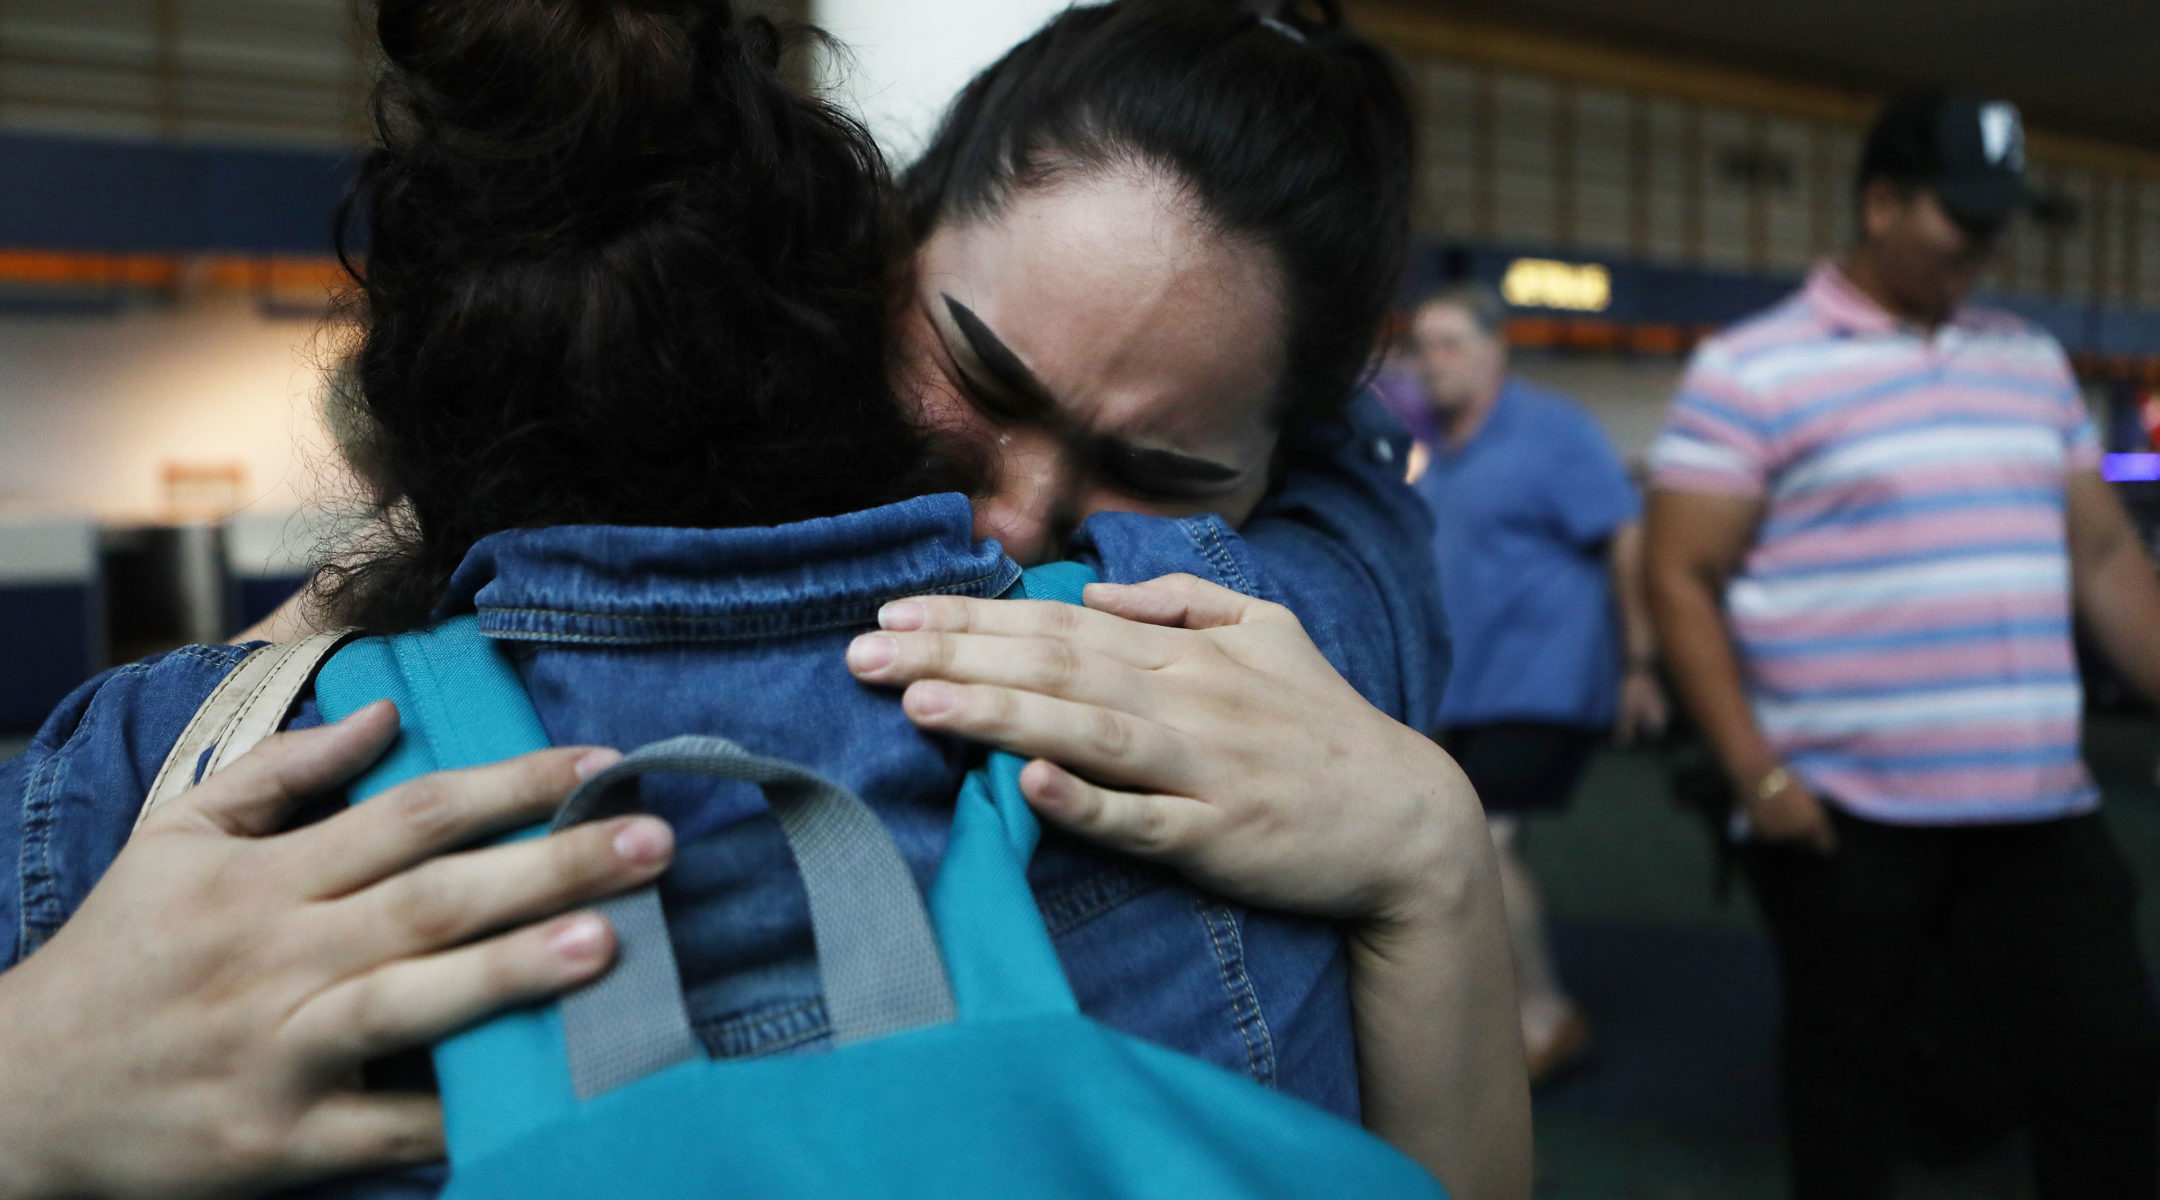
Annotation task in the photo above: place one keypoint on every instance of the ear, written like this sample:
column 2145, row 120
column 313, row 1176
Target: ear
column 1882, row 205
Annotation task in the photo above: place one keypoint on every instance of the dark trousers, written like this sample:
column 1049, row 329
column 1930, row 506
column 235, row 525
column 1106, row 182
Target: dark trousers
column 2036, row 923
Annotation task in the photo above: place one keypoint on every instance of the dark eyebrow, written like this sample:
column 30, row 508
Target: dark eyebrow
column 1168, row 466
column 998, row 358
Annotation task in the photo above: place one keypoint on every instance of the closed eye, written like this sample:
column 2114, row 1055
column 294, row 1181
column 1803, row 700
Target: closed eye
column 1164, row 474
column 1017, row 394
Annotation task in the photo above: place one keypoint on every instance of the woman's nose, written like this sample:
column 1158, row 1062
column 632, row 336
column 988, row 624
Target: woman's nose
column 1029, row 511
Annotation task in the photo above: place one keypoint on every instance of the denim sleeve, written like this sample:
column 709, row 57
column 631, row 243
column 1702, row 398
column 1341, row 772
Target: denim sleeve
column 68, row 803
column 1340, row 540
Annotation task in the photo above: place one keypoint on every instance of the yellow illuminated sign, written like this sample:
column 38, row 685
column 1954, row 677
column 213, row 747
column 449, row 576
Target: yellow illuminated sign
column 1550, row 283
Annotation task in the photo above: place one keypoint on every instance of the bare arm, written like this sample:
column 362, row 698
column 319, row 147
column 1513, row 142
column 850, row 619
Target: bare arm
column 2113, row 580
column 1642, row 702
column 1695, row 541
column 1215, row 739
column 1440, row 1067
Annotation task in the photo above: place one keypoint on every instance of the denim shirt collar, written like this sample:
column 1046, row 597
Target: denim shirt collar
column 644, row 585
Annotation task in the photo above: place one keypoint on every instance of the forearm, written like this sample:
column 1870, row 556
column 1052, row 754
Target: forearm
column 1625, row 557
column 1697, row 647
column 1440, row 1058
column 2119, row 598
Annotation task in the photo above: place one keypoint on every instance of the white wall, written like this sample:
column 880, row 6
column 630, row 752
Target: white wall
column 907, row 58
column 92, row 408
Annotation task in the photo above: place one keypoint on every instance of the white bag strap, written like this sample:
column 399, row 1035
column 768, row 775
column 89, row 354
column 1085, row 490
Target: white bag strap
column 247, row 706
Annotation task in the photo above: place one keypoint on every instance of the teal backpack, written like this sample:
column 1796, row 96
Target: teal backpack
column 961, row 1065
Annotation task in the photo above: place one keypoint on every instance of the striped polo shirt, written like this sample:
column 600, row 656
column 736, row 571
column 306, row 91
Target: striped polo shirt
column 1903, row 617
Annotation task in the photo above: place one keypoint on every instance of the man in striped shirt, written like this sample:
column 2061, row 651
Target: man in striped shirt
column 1873, row 510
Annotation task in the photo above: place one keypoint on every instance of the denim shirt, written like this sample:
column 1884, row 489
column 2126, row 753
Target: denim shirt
column 627, row 635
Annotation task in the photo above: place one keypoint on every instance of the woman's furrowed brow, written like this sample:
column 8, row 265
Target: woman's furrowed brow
column 997, row 358
column 1167, row 465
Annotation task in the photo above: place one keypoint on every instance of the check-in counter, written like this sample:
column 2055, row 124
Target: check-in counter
column 52, row 615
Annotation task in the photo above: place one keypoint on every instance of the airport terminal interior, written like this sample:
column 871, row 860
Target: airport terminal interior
column 1630, row 176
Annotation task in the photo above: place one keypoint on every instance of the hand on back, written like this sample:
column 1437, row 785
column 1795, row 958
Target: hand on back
column 197, row 1027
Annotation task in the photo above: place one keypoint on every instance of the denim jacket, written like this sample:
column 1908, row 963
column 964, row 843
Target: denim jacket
column 627, row 635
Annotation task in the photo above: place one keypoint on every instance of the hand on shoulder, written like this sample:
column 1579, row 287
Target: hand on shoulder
column 1185, row 723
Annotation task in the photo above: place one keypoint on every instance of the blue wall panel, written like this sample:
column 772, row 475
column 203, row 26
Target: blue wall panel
column 2116, row 331
column 62, row 193
column 49, row 638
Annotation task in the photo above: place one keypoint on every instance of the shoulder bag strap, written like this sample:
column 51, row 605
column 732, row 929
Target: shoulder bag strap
column 247, row 706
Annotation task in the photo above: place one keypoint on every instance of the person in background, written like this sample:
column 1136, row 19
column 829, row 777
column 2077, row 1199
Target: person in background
column 1874, row 511
column 1539, row 544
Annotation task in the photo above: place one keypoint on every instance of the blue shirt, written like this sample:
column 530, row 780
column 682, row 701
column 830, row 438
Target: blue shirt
column 1523, row 512
column 625, row 635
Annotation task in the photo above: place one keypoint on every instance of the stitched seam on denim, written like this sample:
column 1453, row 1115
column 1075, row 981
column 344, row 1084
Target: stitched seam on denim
column 226, row 657
column 1071, row 907
column 764, row 624
column 34, row 861
column 1245, row 1014
column 40, row 889
column 1207, row 537
column 41, row 915
column 765, row 1031
column 777, row 629
column 39, row 884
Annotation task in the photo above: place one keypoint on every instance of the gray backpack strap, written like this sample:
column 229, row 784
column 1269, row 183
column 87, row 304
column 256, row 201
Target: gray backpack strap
column 876, row 952
column 247, row 706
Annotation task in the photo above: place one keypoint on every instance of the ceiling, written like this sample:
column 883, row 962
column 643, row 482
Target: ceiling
column 2076, row 66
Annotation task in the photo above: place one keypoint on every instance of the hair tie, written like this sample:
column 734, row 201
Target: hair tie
column 1284, row 28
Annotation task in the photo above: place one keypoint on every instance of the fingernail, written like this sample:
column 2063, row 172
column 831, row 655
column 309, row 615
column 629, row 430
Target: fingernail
column 644, row 841
column 931, row 698
column 1043, row 784
column 901, row 616
column 596, row 761
column 872, row 652
column 579, row 940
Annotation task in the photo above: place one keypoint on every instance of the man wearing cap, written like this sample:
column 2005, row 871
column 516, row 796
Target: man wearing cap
column 1874, row 509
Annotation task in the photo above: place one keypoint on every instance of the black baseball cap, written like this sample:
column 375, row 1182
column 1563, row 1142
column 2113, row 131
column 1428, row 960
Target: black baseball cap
column 1968, row 150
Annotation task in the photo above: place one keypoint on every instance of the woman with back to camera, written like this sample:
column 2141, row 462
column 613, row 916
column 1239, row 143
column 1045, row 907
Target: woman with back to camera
column 503, row 294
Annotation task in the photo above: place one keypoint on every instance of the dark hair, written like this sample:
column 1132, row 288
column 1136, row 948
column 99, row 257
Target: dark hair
column 617, row 271
column 1287, row 129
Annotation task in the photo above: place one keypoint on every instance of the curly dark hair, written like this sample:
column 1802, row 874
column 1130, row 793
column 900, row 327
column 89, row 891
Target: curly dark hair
column 1288, row 128
column 617, row 270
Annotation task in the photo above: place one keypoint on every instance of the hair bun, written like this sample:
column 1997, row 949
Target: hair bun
column 609, row 66
column 617, row 270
